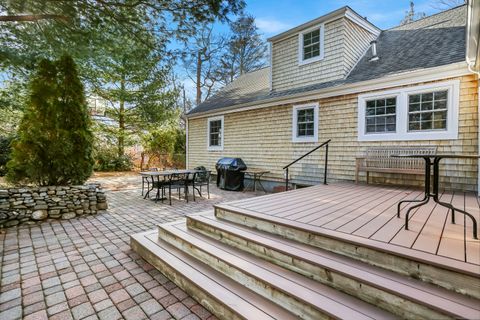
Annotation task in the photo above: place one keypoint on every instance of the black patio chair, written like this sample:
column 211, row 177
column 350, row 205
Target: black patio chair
column 147, row 180
column 178, row 181
column 160, row 183
column 202, row 178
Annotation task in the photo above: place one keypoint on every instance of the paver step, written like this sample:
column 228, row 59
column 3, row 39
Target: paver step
column 304, row 297
column 406, row 297
column 454, row 275
column 218, row 293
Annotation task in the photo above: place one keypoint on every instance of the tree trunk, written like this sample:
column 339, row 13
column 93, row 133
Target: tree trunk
column 142, row 160
column 199, row 78
column 121, row 122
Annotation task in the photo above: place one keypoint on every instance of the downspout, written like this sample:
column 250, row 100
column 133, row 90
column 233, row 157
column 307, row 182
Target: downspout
column 186, row 144
column 473, row 58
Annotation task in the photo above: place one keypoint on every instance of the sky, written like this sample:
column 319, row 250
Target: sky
column 275, row 16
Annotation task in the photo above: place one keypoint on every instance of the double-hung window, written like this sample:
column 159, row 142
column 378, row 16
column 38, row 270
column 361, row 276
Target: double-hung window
column 381, row 115
column 426, row 112
column 215, row 133
column 305, row 123
column 311, row 45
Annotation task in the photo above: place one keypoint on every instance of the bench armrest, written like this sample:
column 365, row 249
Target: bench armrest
column 359, row 162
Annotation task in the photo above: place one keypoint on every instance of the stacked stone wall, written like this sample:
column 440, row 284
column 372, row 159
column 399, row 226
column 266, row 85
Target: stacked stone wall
column 31, row 204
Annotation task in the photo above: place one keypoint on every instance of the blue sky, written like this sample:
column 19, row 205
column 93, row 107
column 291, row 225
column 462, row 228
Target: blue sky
column 274, row 16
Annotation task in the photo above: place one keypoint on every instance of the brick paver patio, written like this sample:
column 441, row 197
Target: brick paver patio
column 84, row 268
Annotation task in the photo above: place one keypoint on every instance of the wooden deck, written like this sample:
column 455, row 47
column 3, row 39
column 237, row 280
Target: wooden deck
column 368, row 213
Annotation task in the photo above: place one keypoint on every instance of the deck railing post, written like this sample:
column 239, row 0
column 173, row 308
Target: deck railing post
column 286, row 179
column 326, row 165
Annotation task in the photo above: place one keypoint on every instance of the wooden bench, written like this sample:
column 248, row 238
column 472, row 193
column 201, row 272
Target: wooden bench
column 378, row 159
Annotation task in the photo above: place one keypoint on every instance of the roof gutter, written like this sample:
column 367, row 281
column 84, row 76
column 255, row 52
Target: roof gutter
column 400, row 79
column 473, row 36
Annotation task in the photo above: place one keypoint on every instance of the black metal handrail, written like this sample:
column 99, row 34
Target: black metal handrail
column 325, row 144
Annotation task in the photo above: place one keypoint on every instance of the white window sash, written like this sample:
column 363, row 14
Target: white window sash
column 296, row 108
column 221, row 132
column 301, row 61
column 402, row 133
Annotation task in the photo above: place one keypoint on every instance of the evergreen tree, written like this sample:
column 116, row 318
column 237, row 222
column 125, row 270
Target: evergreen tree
column 54, row 144
column 133, row 78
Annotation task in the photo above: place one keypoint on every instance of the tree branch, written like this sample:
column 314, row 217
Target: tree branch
column 34, row 17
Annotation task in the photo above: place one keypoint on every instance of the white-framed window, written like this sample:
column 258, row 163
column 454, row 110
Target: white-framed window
column 215, row 130
column 424, row 112
column 311, row 45
column 381, row 114
column 305, row 123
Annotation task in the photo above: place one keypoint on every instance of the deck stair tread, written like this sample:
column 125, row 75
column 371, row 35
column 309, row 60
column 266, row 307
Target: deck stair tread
column 238, row 298
column 440, row 299
column 321, row 297
column 411, row 254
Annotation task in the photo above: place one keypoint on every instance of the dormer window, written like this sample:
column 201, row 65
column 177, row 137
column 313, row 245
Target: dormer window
column 311, row 45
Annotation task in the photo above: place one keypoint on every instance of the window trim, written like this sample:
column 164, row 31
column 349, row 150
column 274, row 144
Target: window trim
column 402, row 133
column 220, row 147
column 301, row 61
column 383, row 97
column 315, row 107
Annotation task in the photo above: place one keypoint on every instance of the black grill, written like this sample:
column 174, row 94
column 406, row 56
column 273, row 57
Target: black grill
column 230, row 173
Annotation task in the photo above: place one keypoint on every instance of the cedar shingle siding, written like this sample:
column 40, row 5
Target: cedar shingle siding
column 345, row 42
column 263, row 137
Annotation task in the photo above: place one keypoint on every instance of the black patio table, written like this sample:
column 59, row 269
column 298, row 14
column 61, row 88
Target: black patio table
column 164, row 174
column 434, row 194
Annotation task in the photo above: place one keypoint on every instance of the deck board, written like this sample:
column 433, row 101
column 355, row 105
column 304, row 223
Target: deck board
column 429, row 238
column 372, row 207
column 452, row 243
column 369, row 212
column 324, row 205
column 378, row 223
column 360, row 220
column 315, row 205
column 417, row 221
column 473, row 252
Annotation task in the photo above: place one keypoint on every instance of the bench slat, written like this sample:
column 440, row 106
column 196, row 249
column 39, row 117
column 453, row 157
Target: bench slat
column 379, row 159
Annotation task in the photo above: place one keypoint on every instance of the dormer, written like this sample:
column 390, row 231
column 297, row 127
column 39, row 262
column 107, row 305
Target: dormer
column 322, row 50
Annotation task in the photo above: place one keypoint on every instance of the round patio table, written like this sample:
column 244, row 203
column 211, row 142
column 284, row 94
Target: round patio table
column 434, row 160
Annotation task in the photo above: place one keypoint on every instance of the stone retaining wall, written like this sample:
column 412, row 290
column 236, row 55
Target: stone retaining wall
column 30, row 204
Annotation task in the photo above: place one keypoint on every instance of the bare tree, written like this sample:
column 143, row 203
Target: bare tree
column 246, row 50
column 442, row 5
column 202, row 62
column 411, row 15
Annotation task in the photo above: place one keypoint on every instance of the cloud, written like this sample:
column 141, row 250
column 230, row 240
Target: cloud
column 269, row 26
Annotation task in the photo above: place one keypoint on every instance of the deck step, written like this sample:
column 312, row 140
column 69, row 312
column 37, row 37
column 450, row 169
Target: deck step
column 219, row 294
column 396, row 293
column 304, row 297
column 453, row 275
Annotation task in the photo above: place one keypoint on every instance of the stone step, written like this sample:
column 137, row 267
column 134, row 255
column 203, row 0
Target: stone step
column 396, row 293
column 453, row 275
column 304, row 297
column 219, row 294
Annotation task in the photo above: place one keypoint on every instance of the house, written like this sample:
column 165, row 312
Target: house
column 341, row 250
column 340, row 77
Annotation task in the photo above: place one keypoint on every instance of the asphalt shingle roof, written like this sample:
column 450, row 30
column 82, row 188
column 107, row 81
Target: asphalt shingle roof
column 430, row 42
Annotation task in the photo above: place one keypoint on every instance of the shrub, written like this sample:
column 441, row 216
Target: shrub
column 108, row 160
column 54, row 145
column 5, row 150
